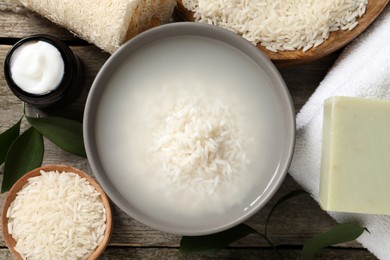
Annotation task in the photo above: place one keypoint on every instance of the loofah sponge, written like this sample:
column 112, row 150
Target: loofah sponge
column 105, row 23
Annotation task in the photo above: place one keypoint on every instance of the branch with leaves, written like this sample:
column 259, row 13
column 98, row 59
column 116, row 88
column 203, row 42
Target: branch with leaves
column 22, row 152
column 211, row 244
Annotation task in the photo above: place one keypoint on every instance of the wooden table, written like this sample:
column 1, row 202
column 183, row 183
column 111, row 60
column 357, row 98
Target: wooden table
column 292, row 224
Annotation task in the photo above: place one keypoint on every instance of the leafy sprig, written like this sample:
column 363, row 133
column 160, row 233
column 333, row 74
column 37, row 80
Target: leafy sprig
column 341, row 233
column 22, row 152
column 211, row 244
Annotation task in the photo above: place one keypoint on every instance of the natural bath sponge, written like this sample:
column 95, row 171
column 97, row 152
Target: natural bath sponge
column 105, row 23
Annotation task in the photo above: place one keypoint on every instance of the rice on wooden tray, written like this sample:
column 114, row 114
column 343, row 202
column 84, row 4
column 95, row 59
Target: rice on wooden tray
column 57, row 216
column 280, row 25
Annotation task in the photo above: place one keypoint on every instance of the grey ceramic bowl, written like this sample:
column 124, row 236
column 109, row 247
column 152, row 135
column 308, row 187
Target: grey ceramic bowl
column 276, row 90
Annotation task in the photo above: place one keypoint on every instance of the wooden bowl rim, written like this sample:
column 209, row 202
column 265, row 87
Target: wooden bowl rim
column 10, row 242
column 336, row 40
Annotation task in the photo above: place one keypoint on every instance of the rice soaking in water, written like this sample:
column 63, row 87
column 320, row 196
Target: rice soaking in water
column 188, row 145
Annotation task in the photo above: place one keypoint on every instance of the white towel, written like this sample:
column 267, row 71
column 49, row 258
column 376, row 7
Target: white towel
column 362, row 70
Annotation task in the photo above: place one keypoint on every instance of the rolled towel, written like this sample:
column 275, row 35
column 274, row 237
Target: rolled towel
column 106, row 23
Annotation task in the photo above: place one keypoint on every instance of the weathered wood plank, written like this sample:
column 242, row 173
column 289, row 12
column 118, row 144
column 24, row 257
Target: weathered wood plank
column 17, row 22
column 303, row 80
column 121, row 253
column 231, row 253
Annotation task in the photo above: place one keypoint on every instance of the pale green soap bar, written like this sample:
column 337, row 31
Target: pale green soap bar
column 355, row 167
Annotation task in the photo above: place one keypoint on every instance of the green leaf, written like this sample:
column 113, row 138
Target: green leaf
column 284, row 198
column 6, row 139
column 210, row 244
column 25, row 154
column 339, row 234
column 65, row 133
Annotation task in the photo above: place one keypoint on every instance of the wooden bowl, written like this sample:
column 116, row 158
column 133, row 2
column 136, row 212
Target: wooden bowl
column 336, row 40
column 10, row 242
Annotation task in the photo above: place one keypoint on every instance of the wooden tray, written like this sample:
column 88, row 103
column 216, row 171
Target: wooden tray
column 336, row 40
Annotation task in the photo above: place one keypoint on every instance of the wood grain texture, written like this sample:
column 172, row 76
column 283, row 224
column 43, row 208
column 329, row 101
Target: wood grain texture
column 17, row 22
column 292, row 224
column 336, row 40
column 121, row 253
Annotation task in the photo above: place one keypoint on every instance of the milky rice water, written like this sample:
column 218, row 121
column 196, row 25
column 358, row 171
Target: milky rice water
column 189, row 141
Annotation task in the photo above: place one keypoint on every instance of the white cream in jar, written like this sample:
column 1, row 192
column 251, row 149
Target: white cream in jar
column 37, row 67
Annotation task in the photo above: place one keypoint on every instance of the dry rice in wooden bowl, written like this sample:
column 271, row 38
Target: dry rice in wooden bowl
column 56, row 212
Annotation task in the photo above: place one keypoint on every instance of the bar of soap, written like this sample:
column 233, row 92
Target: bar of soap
column 355, row 167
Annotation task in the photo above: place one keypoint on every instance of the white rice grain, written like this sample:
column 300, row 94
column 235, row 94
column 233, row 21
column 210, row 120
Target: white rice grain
column 56, row 216
column 280, row 24
column 197, row 142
